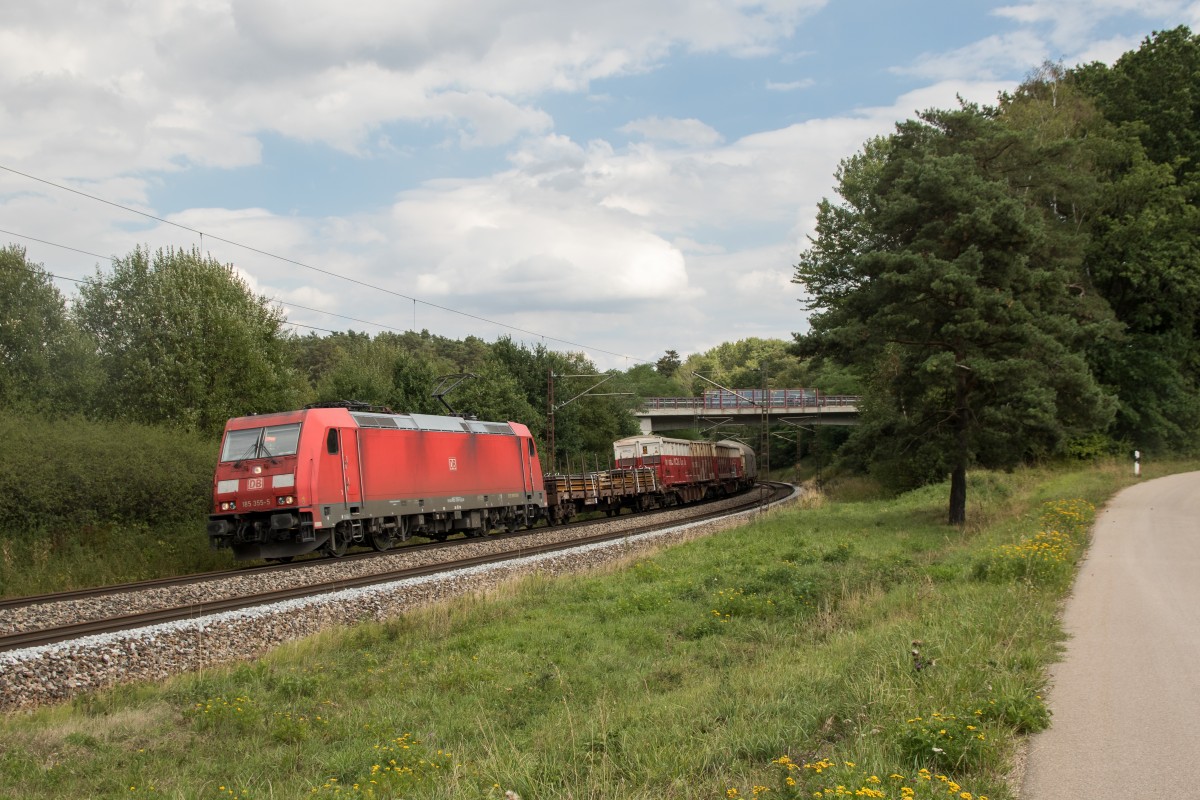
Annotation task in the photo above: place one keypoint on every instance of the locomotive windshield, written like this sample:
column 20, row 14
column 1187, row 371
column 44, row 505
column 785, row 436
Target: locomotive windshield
column 273, row 440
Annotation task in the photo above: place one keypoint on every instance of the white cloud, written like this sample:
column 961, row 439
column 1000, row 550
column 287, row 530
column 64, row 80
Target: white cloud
column 790, row 86
column 149, row 86
column 987, row 59
column 1046, row 30
column 520, row 240
column 1107, row 50
column 682, row 131
column 1071, row 21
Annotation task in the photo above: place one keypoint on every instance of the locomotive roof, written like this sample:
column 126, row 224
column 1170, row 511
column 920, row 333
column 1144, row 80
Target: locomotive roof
column 378, row 419
column 429, row 422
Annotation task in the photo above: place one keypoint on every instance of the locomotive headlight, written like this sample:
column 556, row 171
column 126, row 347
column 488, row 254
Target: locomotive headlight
column 228, row 505
column 285, row 500
column 258, row 470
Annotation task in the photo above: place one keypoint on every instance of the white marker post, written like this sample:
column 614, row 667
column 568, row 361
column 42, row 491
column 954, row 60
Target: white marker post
column 1137, row 463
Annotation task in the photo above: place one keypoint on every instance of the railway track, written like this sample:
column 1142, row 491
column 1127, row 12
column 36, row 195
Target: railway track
column 89, row 593
column 577, row 536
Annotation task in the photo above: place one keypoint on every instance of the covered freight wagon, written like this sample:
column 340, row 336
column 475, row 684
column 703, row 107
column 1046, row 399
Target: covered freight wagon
column 690, row 470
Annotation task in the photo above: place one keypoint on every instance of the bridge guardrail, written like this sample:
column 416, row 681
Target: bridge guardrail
column 785, row 403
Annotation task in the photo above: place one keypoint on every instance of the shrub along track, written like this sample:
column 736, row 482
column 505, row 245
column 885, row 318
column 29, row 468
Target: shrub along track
column 243, row 614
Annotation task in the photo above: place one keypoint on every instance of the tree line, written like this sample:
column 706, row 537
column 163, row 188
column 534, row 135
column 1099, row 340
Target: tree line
column 174, row 338
column 1017, row 281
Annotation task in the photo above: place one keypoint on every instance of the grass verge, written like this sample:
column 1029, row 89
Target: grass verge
column 40, row 560
column 848, row 648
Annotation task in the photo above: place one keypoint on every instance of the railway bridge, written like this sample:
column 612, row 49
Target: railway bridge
column 804, row 407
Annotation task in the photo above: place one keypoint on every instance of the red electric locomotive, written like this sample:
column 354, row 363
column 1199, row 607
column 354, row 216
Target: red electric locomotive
column 328, row 477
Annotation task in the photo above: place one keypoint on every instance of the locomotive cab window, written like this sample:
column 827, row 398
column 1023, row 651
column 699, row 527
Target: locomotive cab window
column 271, row 441
column 240, row 444
column 331, row 442
column 279, row 440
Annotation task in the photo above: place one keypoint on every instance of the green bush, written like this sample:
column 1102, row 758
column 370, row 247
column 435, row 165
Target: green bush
column 73, row 472
column 1093, row 447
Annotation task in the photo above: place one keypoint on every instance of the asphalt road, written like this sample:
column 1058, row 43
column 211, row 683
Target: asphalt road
column 1126, row 698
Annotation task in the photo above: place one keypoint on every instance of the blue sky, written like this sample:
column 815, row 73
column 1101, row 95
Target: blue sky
column 628, row 177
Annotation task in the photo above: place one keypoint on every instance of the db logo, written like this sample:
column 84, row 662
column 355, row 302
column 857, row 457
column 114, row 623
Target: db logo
column 453, row 464
column 254, row 483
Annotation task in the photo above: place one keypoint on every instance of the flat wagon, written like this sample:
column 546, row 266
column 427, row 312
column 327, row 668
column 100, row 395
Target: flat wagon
column 608, row 491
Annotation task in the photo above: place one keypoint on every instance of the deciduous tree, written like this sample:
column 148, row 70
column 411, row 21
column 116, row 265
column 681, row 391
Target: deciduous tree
column 1144, row 258
column 183, row 340
column 45, row 363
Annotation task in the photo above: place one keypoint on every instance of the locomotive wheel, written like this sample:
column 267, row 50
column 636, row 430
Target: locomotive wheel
column 382, row 540
column 339, row 542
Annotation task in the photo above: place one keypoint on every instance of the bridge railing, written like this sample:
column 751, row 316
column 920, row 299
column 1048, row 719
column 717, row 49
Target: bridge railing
column 782, row 402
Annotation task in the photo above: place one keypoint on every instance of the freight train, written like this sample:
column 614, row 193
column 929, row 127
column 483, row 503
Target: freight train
column 331, row 477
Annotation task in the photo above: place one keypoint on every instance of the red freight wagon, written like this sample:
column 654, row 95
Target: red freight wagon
column 689, row 470
column 736, row 464
column 324, row 478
